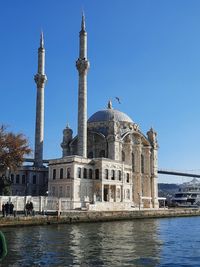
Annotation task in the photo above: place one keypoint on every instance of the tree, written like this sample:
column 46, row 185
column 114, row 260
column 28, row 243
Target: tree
column 13, row 148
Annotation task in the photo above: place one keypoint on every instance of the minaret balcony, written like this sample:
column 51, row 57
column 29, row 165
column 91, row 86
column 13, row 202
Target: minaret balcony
column 82, row 65
column 40, row 79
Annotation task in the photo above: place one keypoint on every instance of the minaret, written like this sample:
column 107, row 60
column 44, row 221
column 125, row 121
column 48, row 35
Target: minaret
column 82, row 65
column 40, row 80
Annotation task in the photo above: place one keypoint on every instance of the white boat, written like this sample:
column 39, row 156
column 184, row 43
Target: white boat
column 188, row 194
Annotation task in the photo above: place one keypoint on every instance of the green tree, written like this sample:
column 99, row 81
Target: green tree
column 13, row 148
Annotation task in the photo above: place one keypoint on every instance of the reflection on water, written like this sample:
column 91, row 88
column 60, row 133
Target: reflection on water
column 151, row 242
column 92, row 244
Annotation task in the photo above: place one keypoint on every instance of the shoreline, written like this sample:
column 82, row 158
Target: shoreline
column 95, row 216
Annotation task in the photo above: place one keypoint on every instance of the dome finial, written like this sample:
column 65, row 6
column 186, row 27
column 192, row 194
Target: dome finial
column 109, row 104
column 68, row 126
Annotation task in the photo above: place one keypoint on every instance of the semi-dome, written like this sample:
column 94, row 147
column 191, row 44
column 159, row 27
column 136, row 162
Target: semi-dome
column 109, row 114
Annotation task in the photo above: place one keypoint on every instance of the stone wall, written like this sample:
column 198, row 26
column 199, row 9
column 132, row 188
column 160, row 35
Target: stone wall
column 92, row 216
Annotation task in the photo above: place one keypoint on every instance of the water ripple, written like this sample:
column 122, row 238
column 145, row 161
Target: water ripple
column 151, row 242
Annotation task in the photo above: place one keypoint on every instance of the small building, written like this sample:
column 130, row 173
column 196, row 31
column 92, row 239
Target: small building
column 30, row 180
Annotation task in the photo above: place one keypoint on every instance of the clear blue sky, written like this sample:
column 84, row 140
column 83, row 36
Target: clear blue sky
column 145, row 52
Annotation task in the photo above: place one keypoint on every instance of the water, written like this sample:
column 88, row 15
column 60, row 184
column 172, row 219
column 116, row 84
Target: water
column 150, row 242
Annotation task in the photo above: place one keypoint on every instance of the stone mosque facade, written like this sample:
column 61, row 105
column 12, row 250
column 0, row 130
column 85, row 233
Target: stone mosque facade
column 110, row 164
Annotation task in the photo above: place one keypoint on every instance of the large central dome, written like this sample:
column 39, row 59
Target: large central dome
column 109, row 114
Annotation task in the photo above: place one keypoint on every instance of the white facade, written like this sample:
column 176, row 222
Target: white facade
column 117, row 163
column 121, row 167
column 109, row 165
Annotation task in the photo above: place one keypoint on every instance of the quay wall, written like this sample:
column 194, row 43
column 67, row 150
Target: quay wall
column 94, row 216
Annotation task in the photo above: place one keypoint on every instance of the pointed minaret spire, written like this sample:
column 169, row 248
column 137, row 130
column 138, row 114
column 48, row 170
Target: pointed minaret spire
column 41, row 40
column 40, row 80
column 82, row 65
column 83, row 22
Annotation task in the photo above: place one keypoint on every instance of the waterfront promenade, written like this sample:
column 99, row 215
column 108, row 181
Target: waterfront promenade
column 94, row 216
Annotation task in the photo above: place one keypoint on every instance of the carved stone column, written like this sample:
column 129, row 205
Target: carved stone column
column 137, row 186
column 147, row 176
column 152, row 136
column 154, row 179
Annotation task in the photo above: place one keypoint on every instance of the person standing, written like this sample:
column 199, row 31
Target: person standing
column 11, row 208
column 31, row 208
column 3, row 210
column 7, row 208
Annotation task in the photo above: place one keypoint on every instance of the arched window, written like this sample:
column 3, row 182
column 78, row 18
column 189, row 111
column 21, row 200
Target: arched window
column 85, row 173
column 68, row 173
column 106, row 174
column 142, row 164
column 34, row 179
column 123, row 156
column 79, row 172
column 90, row 173
column 17, row 178
column 119, row 175
column 23, row 179
column 12, row 177
column 133, row 162
column 90, row 155
column 61, row 173
column 102, row 154
column 127, row 178
column 113, row 175
column 97, row 174
column 54, row 174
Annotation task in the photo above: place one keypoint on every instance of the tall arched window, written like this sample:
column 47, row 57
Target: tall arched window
column 61, row 173
column 23, row 179
column 12, row 177
column 123, row 156
column 113, row 175
column 127, row 178
column 68, row 172
column 119, row 175
column 85, row 173
column 17, row 179
column 90, row 173
column 97, row 174
column 142, row 163
column 54, row 174
column 79, row 172
column 34, row 179
column 133, row 162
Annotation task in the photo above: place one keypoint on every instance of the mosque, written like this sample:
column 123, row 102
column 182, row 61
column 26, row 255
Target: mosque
column 109, row 165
